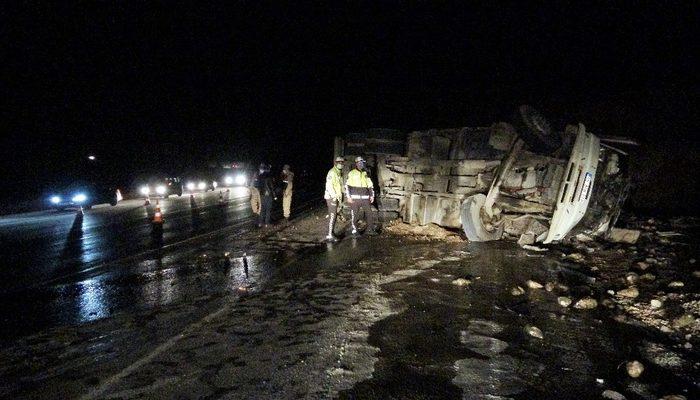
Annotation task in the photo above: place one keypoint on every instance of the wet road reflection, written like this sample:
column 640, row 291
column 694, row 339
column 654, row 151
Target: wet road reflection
column 38, row 247
column 157, row 272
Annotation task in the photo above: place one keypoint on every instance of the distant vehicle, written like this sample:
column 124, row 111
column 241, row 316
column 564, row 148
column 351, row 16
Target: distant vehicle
column 160, row 186
column 519, row 180
column 235, row 174
column 83, row 194
column 199, row 182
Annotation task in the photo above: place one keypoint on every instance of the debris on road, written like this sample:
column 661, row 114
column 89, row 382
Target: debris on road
column 634, row 368
column 533, row 285
column 424, row 232
column 586, row 303
column 564, row 301
column 620, row 235
column 534, row 331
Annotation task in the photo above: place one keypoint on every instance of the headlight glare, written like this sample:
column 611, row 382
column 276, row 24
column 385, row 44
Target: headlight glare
column 215, row 184
column 228, row 180
column 55, row 199
column 160, row 189
column 190, row 186
column 79, row 198
column 145, row 190
column 240, row 180
column 202, row 186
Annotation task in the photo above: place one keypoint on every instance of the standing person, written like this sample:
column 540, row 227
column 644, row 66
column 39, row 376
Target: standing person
column 287, row 181
column 266, row 186
column 360, row 192
column 334, row 194
column 254, row 192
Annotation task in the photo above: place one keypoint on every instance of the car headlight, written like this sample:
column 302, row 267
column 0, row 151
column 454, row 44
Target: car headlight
column 190, row 186
column 145, row 190
column 215, row 184
column 160, row 189
column 228, row 180
column 202, row 186
column 55, row 199
column 79, row 198
column 240, row 180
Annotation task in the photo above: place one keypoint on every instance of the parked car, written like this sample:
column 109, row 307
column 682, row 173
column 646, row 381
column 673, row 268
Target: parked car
column 521, row 180
column 83, row 194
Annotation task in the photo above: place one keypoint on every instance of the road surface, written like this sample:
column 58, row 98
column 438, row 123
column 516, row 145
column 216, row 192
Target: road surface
column 242, row 313
column 47, row 254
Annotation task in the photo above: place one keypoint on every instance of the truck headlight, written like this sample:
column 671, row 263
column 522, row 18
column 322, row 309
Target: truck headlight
column 145, row 190
column 79, row 198
column 190, row 186
column 228, row 180
column 201, row 186
column 55, row 199
column 160, row 189
column 240, row 180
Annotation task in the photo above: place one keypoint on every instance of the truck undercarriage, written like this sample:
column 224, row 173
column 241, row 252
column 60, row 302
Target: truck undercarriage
column 495, row 182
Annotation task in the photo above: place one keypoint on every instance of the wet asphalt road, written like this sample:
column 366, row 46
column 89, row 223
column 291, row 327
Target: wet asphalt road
column 51, row 259
column 241, row 313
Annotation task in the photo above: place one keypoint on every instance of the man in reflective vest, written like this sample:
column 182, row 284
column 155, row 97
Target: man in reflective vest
column 359, row 190
column 334, row 194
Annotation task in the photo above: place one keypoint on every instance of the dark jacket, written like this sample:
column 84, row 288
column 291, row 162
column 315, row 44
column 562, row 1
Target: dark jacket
column 265, row 184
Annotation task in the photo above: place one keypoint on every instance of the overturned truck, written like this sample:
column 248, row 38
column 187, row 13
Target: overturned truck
column 521, row 180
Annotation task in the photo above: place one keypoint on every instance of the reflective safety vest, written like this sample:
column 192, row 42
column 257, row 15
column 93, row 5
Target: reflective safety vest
column 334, row 185
column 359, row 185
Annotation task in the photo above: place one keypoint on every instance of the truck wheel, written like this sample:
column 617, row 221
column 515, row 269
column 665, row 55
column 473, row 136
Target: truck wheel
column 113, row 202
column 535, row 130
column 472, row 224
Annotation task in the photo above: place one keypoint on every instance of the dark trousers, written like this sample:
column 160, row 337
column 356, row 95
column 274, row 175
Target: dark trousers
column 361, row 206
column 265, row 209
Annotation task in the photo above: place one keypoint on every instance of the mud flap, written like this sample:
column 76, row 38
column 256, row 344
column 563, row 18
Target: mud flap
column 472, row 223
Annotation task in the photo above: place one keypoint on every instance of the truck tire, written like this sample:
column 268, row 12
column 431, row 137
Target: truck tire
column 472, row 223
column 535, row 130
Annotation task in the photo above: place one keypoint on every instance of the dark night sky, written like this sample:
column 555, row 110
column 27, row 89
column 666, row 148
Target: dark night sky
column 173, row 84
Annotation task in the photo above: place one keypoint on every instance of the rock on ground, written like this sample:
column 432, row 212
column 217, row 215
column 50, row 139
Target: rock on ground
column 586, row 303
column 634, row 368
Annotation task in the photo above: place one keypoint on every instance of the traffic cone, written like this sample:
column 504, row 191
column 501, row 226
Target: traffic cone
column 193, row 203
column 148, row 202
column 221, row 197
column 79, row 214
column 158, row 215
